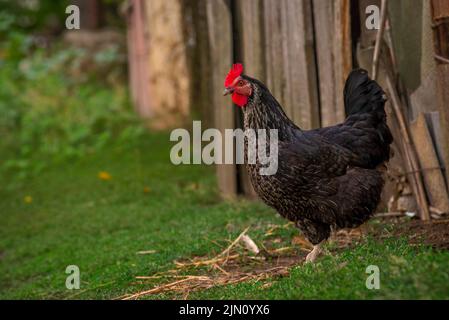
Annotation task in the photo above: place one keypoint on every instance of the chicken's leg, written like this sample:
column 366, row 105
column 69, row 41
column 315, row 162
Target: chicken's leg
column 311, row 257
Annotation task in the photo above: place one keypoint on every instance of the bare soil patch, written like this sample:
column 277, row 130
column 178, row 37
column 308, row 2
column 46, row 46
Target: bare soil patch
column 434, row 233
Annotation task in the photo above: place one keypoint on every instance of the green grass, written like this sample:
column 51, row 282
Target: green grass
column 405, row 273
column 77, row 219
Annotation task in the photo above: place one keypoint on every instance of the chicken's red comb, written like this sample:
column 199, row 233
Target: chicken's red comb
column 236, row 71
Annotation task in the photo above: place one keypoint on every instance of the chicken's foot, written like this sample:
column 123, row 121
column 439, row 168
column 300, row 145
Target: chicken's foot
column 317, row 249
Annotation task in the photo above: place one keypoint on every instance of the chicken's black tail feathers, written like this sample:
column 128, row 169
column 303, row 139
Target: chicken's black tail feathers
column 363, row 95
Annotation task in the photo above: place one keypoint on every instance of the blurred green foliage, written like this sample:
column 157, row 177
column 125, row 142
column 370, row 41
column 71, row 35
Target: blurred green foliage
column 33, row 15
column 52, row 106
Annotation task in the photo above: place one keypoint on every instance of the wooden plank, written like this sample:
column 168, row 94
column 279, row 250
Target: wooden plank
column 221, row 52
column 423, row 98
column 277, row 47
column 302, row 70
column 195, row 31
column 273, row 50
column 342, row 52
column 430, row 166
column 290, row 59
column 132, row 67
column 167, row 58
column 287, row 54
column 440, row 15
column 250, row 27
column 334, row 56
column 367, row 36
column 443, row 103
column 440, row 9
column 434, row 125
column 323, row 12
column 410, row 156
column 138, row 59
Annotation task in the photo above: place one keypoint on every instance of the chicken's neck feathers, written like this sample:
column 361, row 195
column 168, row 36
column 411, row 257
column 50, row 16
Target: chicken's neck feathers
column 263, row 111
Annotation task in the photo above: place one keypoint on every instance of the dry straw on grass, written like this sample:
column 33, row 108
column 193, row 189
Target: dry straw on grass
column 230, row 265
column 229, row 258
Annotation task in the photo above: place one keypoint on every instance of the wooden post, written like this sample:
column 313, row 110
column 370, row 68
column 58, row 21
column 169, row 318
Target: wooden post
column 167, row 58
column 221, row 50
column 138, row 58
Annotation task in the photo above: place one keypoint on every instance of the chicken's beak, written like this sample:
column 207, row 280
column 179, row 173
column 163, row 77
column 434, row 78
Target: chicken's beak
column 228, row 90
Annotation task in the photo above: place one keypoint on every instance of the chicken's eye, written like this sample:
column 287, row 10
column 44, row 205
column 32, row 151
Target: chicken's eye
column 241, row 83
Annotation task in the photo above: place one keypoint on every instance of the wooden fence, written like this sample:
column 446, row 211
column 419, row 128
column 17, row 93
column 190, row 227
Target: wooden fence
column 303, row 51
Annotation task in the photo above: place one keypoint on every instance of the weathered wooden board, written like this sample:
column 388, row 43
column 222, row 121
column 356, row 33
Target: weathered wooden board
column 290, row 59
column 367, row 36
column 430, row 166
column 276, row 43
column 221, row 51
column 250, row 27
column 440, row 9
column 138, row 59
column 334, row 57
column 434, row 125
column 194, row 16
column 440, row 16
column 423, row 98
column 167, row 59
column 323, row 12
column 443, row 103
column 342, row 52
column 273, row 51
column 249, row 19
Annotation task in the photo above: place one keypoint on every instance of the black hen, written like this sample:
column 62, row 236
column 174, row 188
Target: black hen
column 328, row 177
